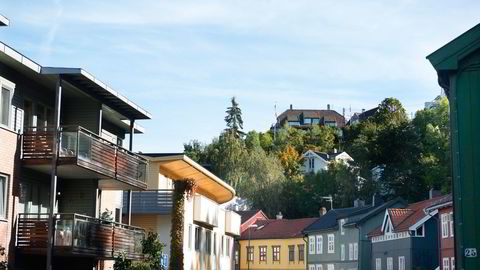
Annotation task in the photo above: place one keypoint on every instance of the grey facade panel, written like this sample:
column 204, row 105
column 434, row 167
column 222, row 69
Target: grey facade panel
column 393, row 249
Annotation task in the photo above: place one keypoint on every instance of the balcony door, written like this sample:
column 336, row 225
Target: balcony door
column 34, row 198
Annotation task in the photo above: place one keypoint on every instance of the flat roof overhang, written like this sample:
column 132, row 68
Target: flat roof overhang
column 180, row 167
column 4, row 21
column 84, row 80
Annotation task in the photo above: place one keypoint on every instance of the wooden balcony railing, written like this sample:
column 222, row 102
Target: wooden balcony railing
column 78, row 235
column 158, row 202
column 83, row 148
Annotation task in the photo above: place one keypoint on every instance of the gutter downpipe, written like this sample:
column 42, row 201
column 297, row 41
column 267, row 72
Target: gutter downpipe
column 305, row 250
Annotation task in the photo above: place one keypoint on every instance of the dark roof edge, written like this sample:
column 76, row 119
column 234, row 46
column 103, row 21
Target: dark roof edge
column 378, row 209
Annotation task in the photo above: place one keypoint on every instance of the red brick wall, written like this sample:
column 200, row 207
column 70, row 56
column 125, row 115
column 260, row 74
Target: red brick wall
column 9, row 162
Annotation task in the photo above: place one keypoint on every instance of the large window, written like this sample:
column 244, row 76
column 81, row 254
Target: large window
column 401, row 263
column 3, row 195
column 311, row 245
column 301, row 252
column 342, row 252
column 389, row 263
column 446, row 264
column 250, row 254
column 331, row 243
column 445, row 225
column 378, row 264
column 319, row 244
column 291, row 253
column 276, row 253
column 263, row 253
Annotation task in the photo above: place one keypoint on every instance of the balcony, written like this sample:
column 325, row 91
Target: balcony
column 205, row 211
column 232, row 223
column 155, row 202
column 84, row 155
column 78, row 235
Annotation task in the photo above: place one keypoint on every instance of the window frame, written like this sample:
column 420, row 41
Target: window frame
column 250, row 253
column 10, row 87
column 350, row 251
column 262, row 253
column 189, row 236
column 342, row 229
column 452, row 263
column 330, row 266
column 291, row 253
column 389, row 263
column 355, row 251
column 446, row 263
column 445, row 225
column 275, row 253
column 401, row 263
column 311, row 245
column 378, row 263
column 342, row 252
column 319, row 267
column 198, row 238
column 451, row 220
column 319, row 244
column 301, row 252
column 5, row 196
column 331, row 243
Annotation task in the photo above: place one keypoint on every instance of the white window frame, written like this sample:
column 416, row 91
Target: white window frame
column 350, row 251
column 355, row 251
column 389, row 263
column 378, row 264
column 446, row 264
column 5, row 195
column 342, row 252
column 319, row 267
column 452, row 260
column 190, row 236
column 401, row 263
column 330, row 267
column 450, row 215
column 311, row 245
column 444, row 219
column 342, row 230
column 319, row 244
column 311, row 267
column 9, row 86
column 331, row 244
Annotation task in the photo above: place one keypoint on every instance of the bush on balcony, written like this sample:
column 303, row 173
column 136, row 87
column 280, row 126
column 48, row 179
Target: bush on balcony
column 152, row 250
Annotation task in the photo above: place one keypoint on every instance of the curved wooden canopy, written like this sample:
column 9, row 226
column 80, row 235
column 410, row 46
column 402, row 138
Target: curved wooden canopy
column 180, row 167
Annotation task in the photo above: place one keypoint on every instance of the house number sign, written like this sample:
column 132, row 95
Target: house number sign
column 470, row 252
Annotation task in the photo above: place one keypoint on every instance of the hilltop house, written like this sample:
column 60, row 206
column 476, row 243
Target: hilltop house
column 314, row 161
column 304, row 119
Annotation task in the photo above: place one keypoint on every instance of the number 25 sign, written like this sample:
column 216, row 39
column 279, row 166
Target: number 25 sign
column 470, row 252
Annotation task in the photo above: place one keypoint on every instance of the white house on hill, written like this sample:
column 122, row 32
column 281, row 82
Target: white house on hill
column 316, row 161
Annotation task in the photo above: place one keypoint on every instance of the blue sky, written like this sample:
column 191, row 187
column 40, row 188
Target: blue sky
column 184, row 60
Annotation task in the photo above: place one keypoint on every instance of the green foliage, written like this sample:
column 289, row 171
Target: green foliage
column 152, row 250
column 234, row 120
column 194, row 150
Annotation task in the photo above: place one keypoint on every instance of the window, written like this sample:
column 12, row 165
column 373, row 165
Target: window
column 301, row 253
column 293, row 123
column 342, row 252
column 237, row 257
column 227, row 247
column 331, row 243
column 276, row 253
column 330, row 267
column 389, row 263
column 355, row 251
column 378, row 264
column 189, row 236
column 208, row 241
column 444, row 219
column 222, row 245
column 350, row 251
column 5, row 106
column 446, row 264
column 319, row 244
column 198, row 238
column 307, row 121
column 452, row 259
column 319, row 267
column 311, row 163
column 311, row 245
column 263, row 253
column 311, row 267
column 250, row 254
column 214, row 243
column 330, row 123
column 291, row 253
column 342, row 230
column 3, row 195
column 420, row 231
column 451, row 223
column 315, row 121
column 401, row 263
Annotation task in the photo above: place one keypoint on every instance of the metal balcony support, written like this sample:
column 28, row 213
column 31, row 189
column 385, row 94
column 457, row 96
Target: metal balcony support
column 130, row 148
column 53, row 182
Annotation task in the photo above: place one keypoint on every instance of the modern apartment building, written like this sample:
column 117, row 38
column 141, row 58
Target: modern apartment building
column 209, row 229
column 61, row 151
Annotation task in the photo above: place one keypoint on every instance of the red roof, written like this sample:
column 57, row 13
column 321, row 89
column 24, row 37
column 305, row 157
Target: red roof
column 403, row 219
column 277, row 228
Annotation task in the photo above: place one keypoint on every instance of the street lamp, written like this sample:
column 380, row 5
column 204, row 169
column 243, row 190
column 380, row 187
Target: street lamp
column 328, row 198
column 249, row 237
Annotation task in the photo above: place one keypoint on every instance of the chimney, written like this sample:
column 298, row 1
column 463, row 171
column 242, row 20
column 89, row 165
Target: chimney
column 432, row 193
column 335, row 150
column 322, row 211
column 291, row 107
column 328, row 107
column 4, row 21
column 279, row 215
column 358, row 203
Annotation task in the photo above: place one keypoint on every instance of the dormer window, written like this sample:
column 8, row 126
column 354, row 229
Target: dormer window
column 388, row 227
column 311, row 163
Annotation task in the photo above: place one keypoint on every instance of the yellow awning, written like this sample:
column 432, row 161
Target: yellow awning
column 180, row 167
